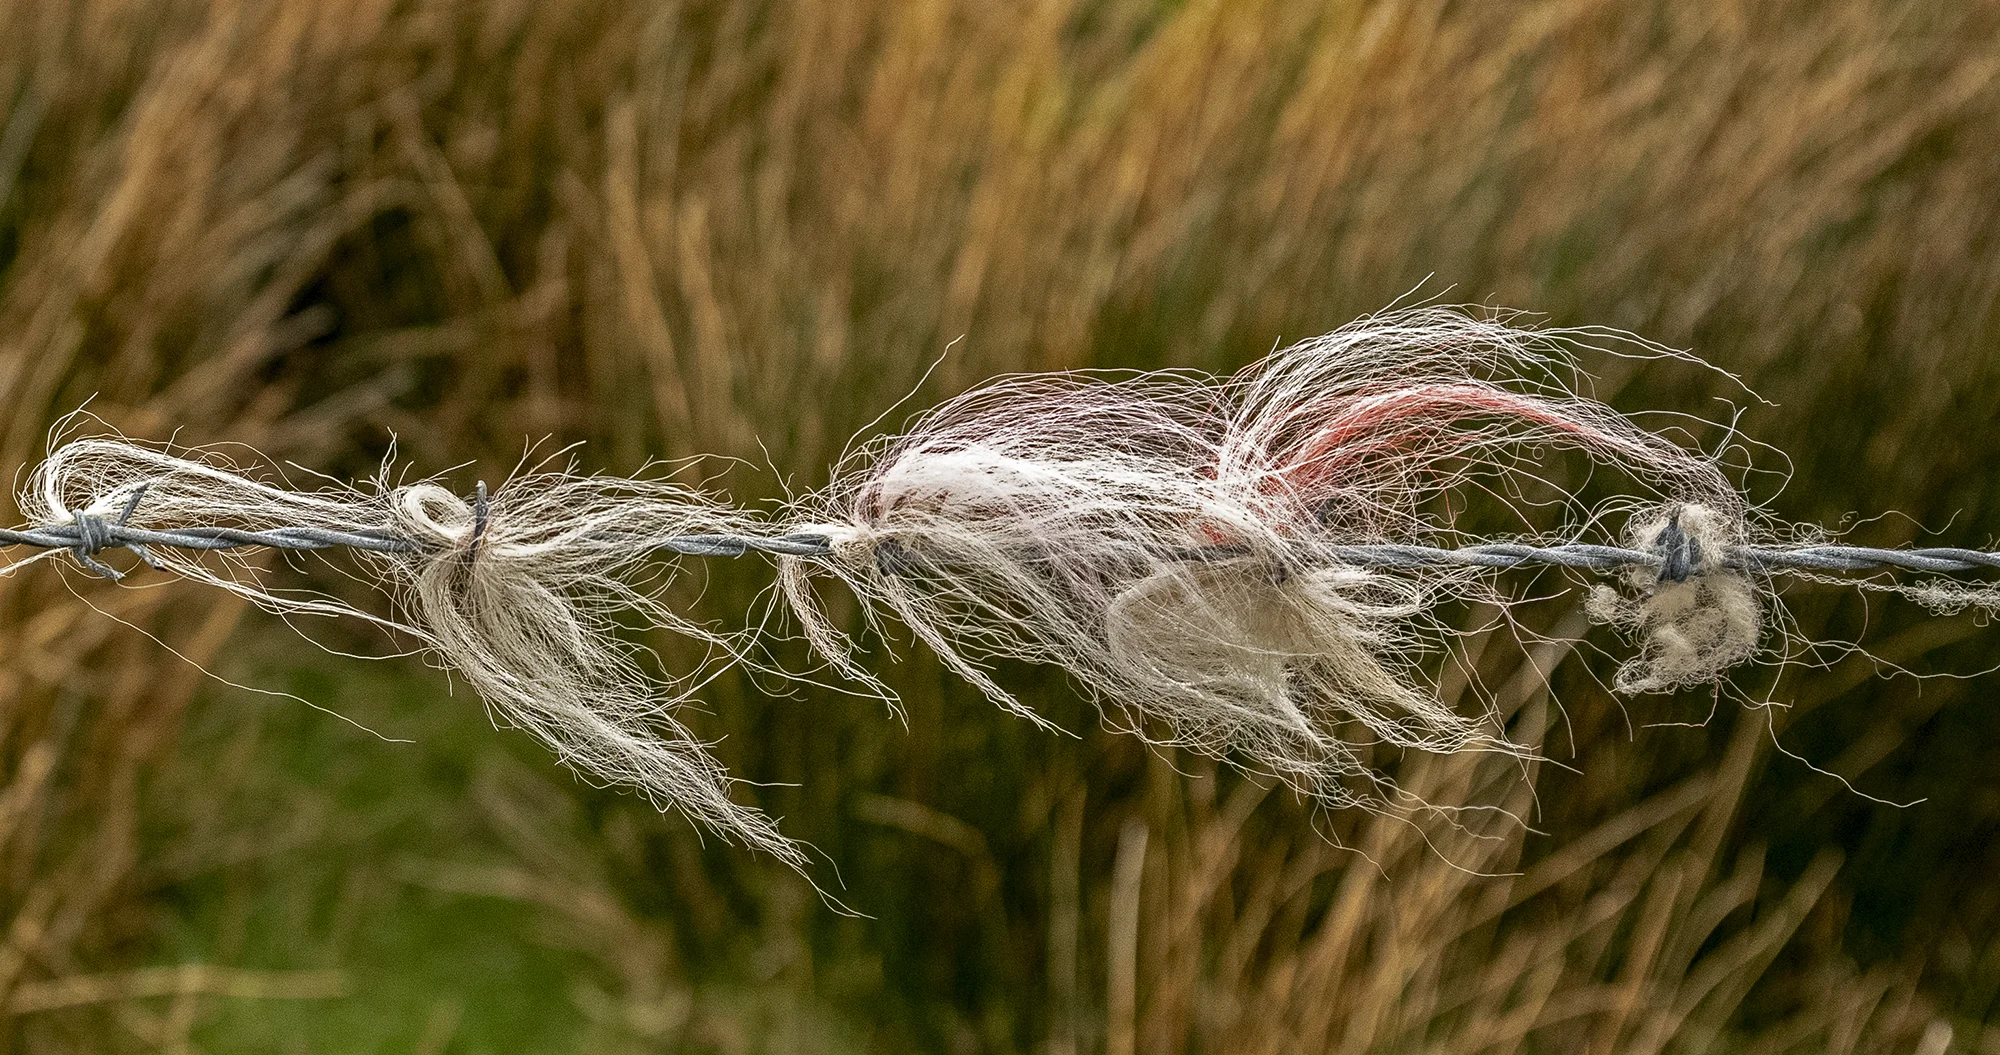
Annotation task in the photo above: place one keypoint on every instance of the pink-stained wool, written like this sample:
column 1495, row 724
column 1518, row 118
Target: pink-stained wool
column 1169, row 539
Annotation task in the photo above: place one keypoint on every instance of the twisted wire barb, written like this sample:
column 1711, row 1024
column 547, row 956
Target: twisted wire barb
column 87, row 535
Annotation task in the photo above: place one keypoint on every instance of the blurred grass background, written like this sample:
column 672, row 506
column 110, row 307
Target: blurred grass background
column 740, row 227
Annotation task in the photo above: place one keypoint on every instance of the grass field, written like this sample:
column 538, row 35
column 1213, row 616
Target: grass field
column 747, row 229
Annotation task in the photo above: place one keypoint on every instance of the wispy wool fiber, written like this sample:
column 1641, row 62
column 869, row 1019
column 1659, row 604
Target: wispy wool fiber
column 1171, row 539
column 535, row 611
column 1180, row 543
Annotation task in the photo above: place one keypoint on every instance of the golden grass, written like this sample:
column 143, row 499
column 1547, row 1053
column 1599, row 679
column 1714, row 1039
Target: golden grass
column 732, row 226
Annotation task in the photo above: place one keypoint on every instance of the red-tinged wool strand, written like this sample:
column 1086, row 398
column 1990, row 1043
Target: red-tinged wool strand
column 1052, row 519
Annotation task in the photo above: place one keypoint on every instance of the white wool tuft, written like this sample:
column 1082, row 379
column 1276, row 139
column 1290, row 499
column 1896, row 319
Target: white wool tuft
column 532, row 620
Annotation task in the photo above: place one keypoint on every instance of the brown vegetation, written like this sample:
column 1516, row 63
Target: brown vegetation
column 734, row 227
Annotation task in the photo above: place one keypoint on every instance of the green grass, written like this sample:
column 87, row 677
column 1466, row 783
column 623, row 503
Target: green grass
column 339, row 852
column 469, row 890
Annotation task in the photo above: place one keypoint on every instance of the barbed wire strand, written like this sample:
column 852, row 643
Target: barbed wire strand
column 88, row 535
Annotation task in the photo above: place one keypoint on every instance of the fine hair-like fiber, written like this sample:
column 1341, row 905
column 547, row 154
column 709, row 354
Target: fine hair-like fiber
column 1168, row 538
column 1172, row 540
column 531, row 619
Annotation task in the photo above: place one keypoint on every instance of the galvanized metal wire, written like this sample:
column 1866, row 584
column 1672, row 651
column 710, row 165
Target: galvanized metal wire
column 86, row 535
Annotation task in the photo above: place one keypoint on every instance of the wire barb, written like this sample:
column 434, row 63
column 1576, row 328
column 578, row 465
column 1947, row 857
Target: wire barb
column 94, row 536
column 482, row 510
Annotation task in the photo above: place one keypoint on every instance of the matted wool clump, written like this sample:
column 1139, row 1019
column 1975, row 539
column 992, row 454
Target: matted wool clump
column 1249, row 567
column 1693, row 617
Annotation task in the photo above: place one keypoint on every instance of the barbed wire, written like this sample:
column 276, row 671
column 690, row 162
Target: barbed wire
column 88, row 535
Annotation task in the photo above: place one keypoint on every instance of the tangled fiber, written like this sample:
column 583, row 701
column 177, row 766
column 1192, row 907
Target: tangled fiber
column 529, row 606
column 1700, row 619
column 1168, row 538
column 1174, row 541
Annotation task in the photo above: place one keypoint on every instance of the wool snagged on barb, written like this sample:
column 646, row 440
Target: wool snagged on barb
column 1176, row 542
column 526, row 601
column 1248, row 567
column 1693, row 616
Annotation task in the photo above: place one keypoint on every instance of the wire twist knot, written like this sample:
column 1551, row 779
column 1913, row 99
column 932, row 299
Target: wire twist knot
column 94, row 535
column 1680, row 552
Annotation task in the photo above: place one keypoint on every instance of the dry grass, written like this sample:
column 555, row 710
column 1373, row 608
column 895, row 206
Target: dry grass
column 730, row 226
